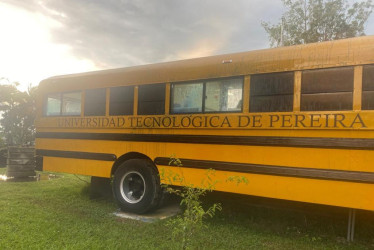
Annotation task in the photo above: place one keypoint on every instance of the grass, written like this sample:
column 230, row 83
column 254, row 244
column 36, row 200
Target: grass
column 58, row 214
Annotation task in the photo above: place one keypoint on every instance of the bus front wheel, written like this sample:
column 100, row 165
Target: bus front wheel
column 136, row 186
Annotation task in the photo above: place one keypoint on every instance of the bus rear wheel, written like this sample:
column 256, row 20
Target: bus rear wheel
column 136, row 186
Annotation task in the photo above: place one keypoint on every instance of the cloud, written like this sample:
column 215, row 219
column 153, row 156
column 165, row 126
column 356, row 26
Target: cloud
column 27, row 54
column 116, row 33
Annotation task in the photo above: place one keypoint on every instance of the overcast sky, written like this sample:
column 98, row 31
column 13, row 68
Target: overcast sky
column 40, row 39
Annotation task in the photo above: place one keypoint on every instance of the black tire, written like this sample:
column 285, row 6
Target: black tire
column 136, row 186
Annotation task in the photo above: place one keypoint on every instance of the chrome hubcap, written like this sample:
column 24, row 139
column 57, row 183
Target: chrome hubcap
column 132, row 187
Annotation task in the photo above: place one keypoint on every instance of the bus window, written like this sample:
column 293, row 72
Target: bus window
column 151, row 99
column 94, row 102
column 121, row 100
column 224, row 95
column 221, row 95
column 187, row 98
column 368, row 87
column 71, row 103
column 272, row 92
column 327, row 89
column 53, row 106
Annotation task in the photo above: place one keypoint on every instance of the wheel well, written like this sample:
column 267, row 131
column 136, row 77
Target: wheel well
column 128, row 156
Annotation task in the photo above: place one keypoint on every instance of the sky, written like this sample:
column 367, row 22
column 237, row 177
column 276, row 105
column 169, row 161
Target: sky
column 40, row 39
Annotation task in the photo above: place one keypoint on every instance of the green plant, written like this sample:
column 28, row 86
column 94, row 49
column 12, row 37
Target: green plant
column 185, row 226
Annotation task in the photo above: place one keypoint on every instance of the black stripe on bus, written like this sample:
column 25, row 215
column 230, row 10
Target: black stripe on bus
column 310, row 173
column 76, row 155
column 307, row 142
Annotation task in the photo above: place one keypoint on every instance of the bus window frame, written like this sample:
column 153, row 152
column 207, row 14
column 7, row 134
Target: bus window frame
column 267, row 73
column 137, row 101
column 204, row 81
column 83, row 111
column 110, row 96
column 45, row 105
column 302, row 95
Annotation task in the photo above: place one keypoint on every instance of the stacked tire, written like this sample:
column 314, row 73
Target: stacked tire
column 20, row 162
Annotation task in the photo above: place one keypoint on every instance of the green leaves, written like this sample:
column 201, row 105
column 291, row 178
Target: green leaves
column 185, row 226
column 17, row 111
column 192, row 220
column 307, row 21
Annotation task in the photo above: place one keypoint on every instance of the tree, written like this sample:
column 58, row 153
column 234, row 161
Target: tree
column 307, row 21
column 17, row 114
column 2, row 143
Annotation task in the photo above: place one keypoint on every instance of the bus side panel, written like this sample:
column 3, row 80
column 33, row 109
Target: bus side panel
column 330, row 192
column 335, row 193
column 336, row 159
column 77, row 166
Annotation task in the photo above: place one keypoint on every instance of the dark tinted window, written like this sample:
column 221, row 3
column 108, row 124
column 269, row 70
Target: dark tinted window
column 327, row 89
column 121, row 100
column 272, row 92
column 151, row 99
column 94, row 102
column 368, row 87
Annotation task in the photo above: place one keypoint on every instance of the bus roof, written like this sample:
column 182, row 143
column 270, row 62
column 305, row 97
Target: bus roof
column 345, row 52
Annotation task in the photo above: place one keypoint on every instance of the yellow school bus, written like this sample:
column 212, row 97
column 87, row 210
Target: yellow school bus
column 297, row 122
